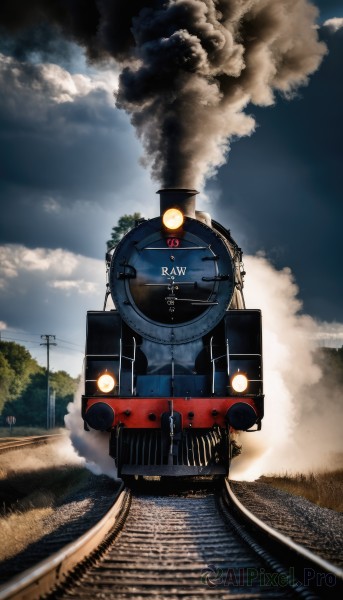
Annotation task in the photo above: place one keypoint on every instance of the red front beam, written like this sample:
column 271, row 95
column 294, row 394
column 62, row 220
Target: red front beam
column 139, row 413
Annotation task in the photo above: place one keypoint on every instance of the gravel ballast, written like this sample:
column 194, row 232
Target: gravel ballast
column 318, row 529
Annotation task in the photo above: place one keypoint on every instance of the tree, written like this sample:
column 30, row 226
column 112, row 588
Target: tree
column 22, row 365
column 7, row 375
column 65, row 388
column 30, row 407
column 23, row 387
column 125, row 223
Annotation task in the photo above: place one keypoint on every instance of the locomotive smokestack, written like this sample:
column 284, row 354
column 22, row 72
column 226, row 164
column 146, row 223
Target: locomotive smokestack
column 181, row 198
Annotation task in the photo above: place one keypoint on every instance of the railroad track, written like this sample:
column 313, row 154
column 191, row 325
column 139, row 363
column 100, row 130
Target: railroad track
column 9, row 445
column 191, row 544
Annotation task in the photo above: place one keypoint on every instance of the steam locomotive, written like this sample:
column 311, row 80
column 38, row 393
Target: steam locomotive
column 176, row 367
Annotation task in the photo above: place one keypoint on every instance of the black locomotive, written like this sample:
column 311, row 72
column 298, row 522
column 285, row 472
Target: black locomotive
column 177, row 365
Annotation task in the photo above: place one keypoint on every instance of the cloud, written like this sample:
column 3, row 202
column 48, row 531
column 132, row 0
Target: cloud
column 63, row 86
column 17, row 259
column 334, row 24
column 50, row 205
column 68, row 159
column 49, row 291
column 49, row 84
column 79, row 285
column 45, row 265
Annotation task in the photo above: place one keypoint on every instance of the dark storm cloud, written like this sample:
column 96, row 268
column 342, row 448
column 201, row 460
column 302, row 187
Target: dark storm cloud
column 47, row 128
column 79, row 20
column 102, row 27
column 329, row 8
column 190, row 67
column 66, row 157
column 40, row 42
column 282, row 190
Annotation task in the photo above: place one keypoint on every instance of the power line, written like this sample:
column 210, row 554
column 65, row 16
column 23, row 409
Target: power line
column 12, row 330
column 70, row 349
column 71, row 343
column 14, row 339
column 34, row 346
column 9, row 338
column 33, row 343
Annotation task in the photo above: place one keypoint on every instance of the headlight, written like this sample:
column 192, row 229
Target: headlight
column 172, row 218
column 239, row 382
column 106, row 383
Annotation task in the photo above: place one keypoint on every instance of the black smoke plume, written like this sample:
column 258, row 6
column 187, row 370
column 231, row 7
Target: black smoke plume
column 189, row 67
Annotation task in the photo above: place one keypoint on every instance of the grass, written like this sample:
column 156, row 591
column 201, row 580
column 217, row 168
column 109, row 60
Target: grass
column 26, row 431
column 17, row 531
column 323, row 488
column 30, row 488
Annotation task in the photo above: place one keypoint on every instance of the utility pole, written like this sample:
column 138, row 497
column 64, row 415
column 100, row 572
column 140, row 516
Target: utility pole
column 47, row 342
column 52, row 408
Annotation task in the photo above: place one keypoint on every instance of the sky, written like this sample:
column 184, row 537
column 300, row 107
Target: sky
column 70, row 166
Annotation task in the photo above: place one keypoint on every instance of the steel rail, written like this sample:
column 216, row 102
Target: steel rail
column 17, row 444
column 57, row 569
column 42, row 578
column 285, row 546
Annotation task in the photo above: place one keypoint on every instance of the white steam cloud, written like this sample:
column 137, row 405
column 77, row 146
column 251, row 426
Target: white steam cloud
column 301, row 428
column 92, row 445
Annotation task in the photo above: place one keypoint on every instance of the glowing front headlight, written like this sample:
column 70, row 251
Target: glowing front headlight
column 172, row 218
column 239, row 382
column 106, row 383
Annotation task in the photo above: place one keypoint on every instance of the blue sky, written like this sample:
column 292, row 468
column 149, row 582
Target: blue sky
column 70, row 167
